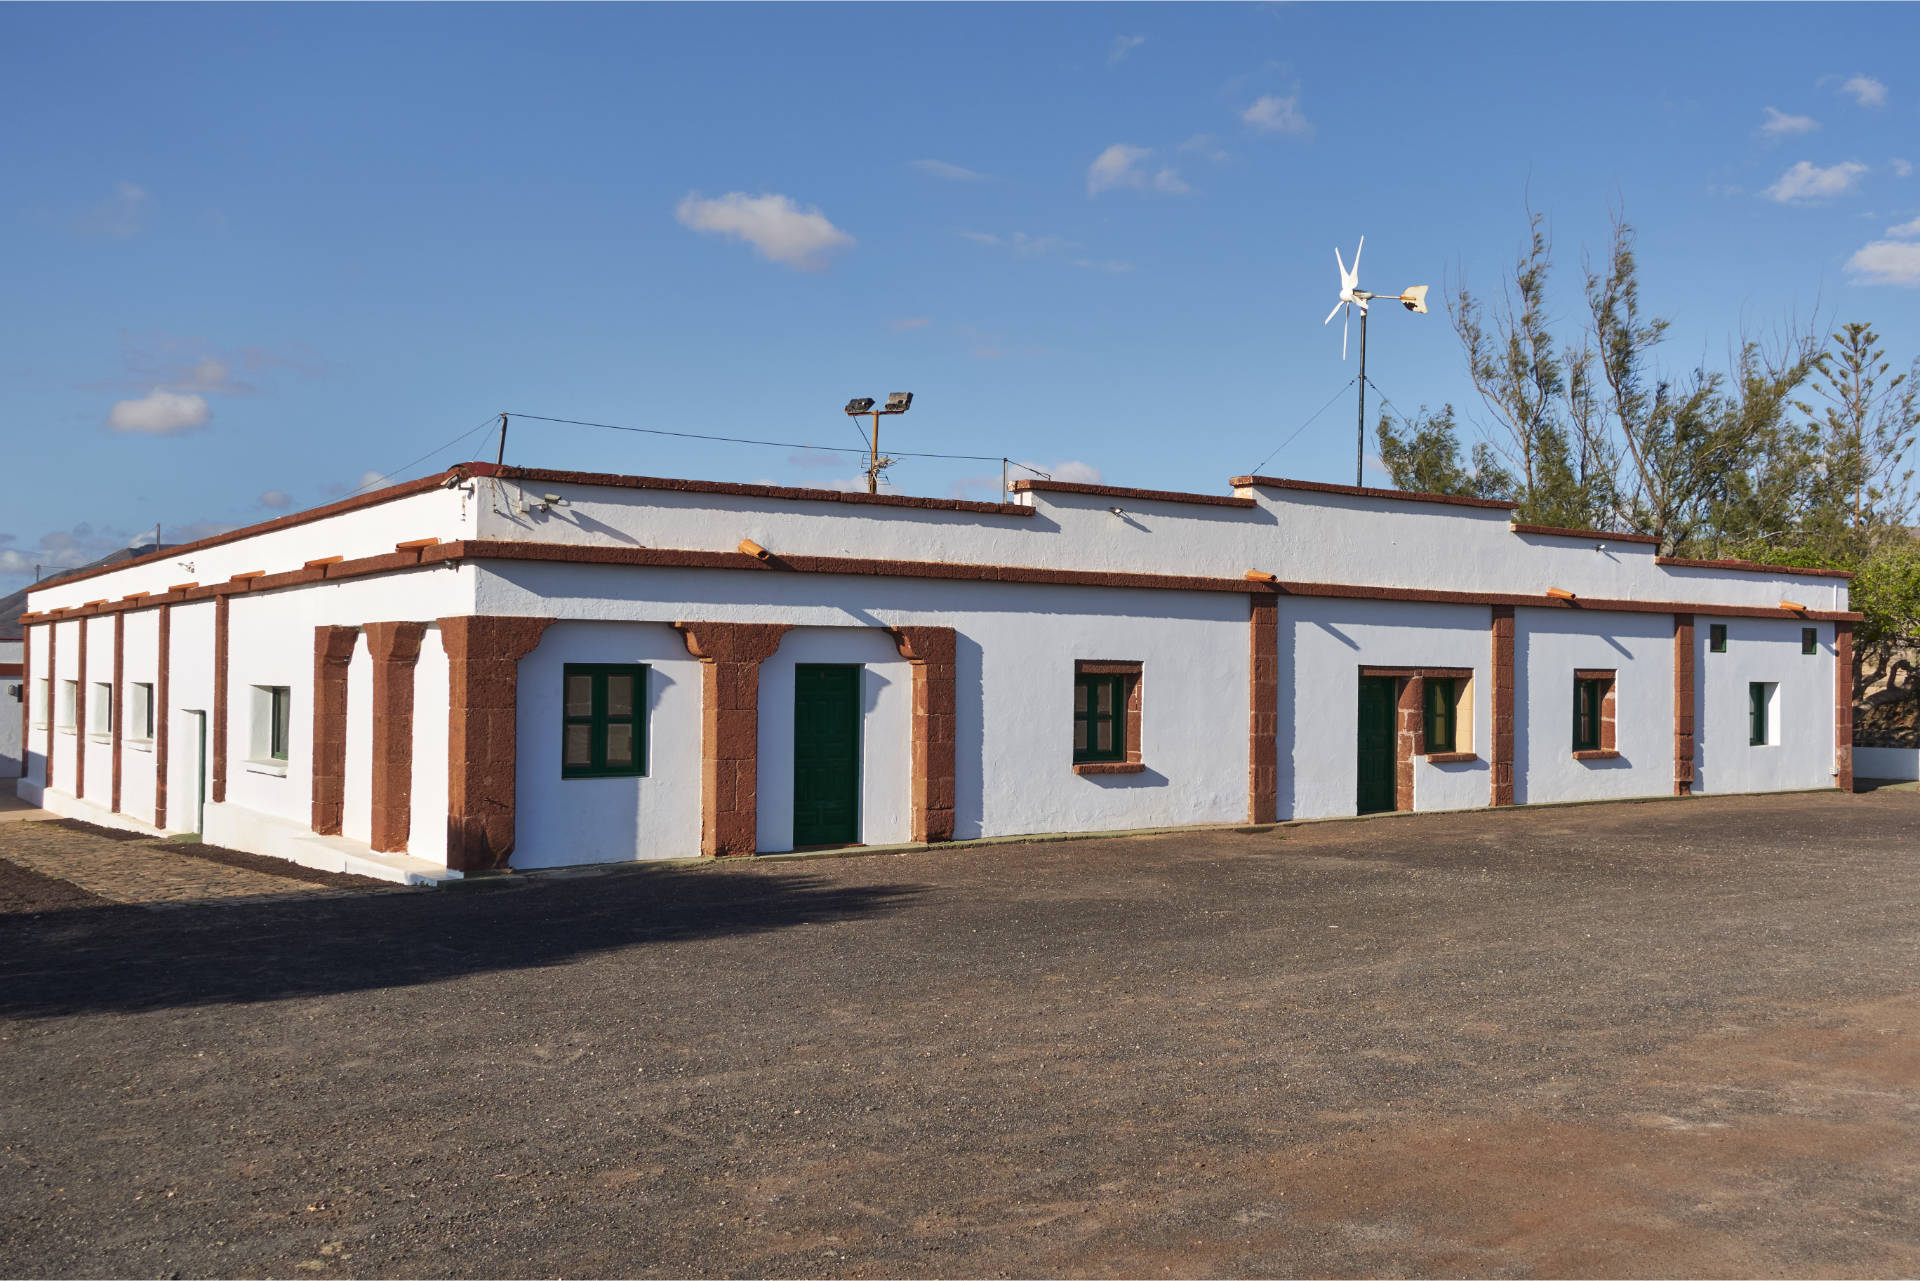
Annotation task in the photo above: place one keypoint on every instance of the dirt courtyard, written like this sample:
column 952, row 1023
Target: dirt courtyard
column 1672, row 1038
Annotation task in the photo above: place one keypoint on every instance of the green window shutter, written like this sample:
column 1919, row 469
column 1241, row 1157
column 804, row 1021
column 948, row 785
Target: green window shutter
column 1717, row 637
column 282, row 716
column 1756, row 715
column 1439, row 714
column 603, row 720
column 1809, row 640
column 1099, row 718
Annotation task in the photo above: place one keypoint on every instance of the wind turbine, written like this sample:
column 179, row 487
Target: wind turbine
column 1351, row 296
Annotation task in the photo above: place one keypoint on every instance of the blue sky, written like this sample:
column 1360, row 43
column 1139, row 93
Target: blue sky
column 256, row 256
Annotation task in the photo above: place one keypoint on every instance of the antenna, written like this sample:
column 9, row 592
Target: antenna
column 1414, row 299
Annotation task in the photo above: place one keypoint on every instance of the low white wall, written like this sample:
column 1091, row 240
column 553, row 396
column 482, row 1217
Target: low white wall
column 427, row 804
column 1886, row 762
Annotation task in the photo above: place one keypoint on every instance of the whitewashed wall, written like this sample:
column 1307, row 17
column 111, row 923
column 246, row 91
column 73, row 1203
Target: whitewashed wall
column 1017, row 645
column 138, row 762
column 1323, row 646
column 190, row 720
column 1762, row 649
column 563, row 821
column 1308, row 536
column 1549, row 646
column 11, row 742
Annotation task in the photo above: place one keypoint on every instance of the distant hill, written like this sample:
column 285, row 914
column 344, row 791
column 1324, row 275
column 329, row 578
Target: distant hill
column 11, row 607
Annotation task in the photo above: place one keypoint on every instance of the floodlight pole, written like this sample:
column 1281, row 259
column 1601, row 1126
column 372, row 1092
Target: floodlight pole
column 873, row 463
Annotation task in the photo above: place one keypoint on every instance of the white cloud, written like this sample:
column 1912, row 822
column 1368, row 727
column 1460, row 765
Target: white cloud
column 952, row 173
column 1205, row 144
column 1781, row 125
column 777, row 228
column 1886, row 262
column 1072, row 471
column 1122, row 46
column 1901, row 168
column 160, row 413
column 1808, row 182
column 276, row 499
column 117, row 216
column 1273, row 114
column 1865, row 90
column 372, row 480
column 1112, row 266
column 71, row 548
column 905, row 323
column 1125, row 166
column 1020, row 243
column 1906, row 230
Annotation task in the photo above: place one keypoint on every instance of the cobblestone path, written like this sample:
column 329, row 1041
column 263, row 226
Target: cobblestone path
column 147, row 871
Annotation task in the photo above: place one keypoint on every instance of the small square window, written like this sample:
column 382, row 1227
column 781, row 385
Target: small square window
column 1589, row 698
column 1809, row 640
column 140, row 712
column 1717, row 637
column 1099, row 718
column 69, row 704
column 603, row 731
column 272, row 723
column 100, row 711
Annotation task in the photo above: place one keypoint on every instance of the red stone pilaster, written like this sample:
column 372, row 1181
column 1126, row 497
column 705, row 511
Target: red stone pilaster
column 1503, row 660
column 80, row 716
column 1843, row 706
column 1263, row 711
column 332, row 653
column 1410, row 741
column 163, row 707
column 483, row 682
column 219, row 779
column 26, row 693
column 730, row 655
column 395, row 648
column 935, row 706
column 1683, row 698
column 117, row 710
column 53, row 699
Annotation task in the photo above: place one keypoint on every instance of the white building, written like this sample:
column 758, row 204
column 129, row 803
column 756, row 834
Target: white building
column 504, row 667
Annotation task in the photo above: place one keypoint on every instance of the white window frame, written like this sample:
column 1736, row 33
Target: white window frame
column 139, row 712
column 260, row 740
column 69, row 706
column 100, row 711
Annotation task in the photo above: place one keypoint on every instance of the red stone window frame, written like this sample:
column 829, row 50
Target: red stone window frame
column 1129, row 674
column 1607, row 750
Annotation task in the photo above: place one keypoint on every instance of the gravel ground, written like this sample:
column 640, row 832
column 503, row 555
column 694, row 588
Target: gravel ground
column 1654, row 1039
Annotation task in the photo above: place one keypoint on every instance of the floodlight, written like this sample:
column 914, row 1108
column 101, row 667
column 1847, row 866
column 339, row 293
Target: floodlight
column 898, row 402
column 860, row 405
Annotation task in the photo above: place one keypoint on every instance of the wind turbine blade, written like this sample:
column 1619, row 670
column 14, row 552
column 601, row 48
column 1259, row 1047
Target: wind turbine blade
column 1343, row 337
column 1330, row 315
column 1340, row 264
column 1356, row 259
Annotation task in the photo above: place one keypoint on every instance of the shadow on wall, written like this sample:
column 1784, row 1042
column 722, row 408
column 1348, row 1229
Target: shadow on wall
column 129, row 959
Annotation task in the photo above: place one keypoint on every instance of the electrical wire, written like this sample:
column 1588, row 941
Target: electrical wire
column 386, row 478
column 743, row 440
column 1303, row 426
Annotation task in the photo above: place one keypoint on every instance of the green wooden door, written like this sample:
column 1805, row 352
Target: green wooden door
column 1376, row 743
column 826, row 754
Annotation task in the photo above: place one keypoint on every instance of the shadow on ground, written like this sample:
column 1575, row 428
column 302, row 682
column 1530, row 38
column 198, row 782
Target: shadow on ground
column 115, row 958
